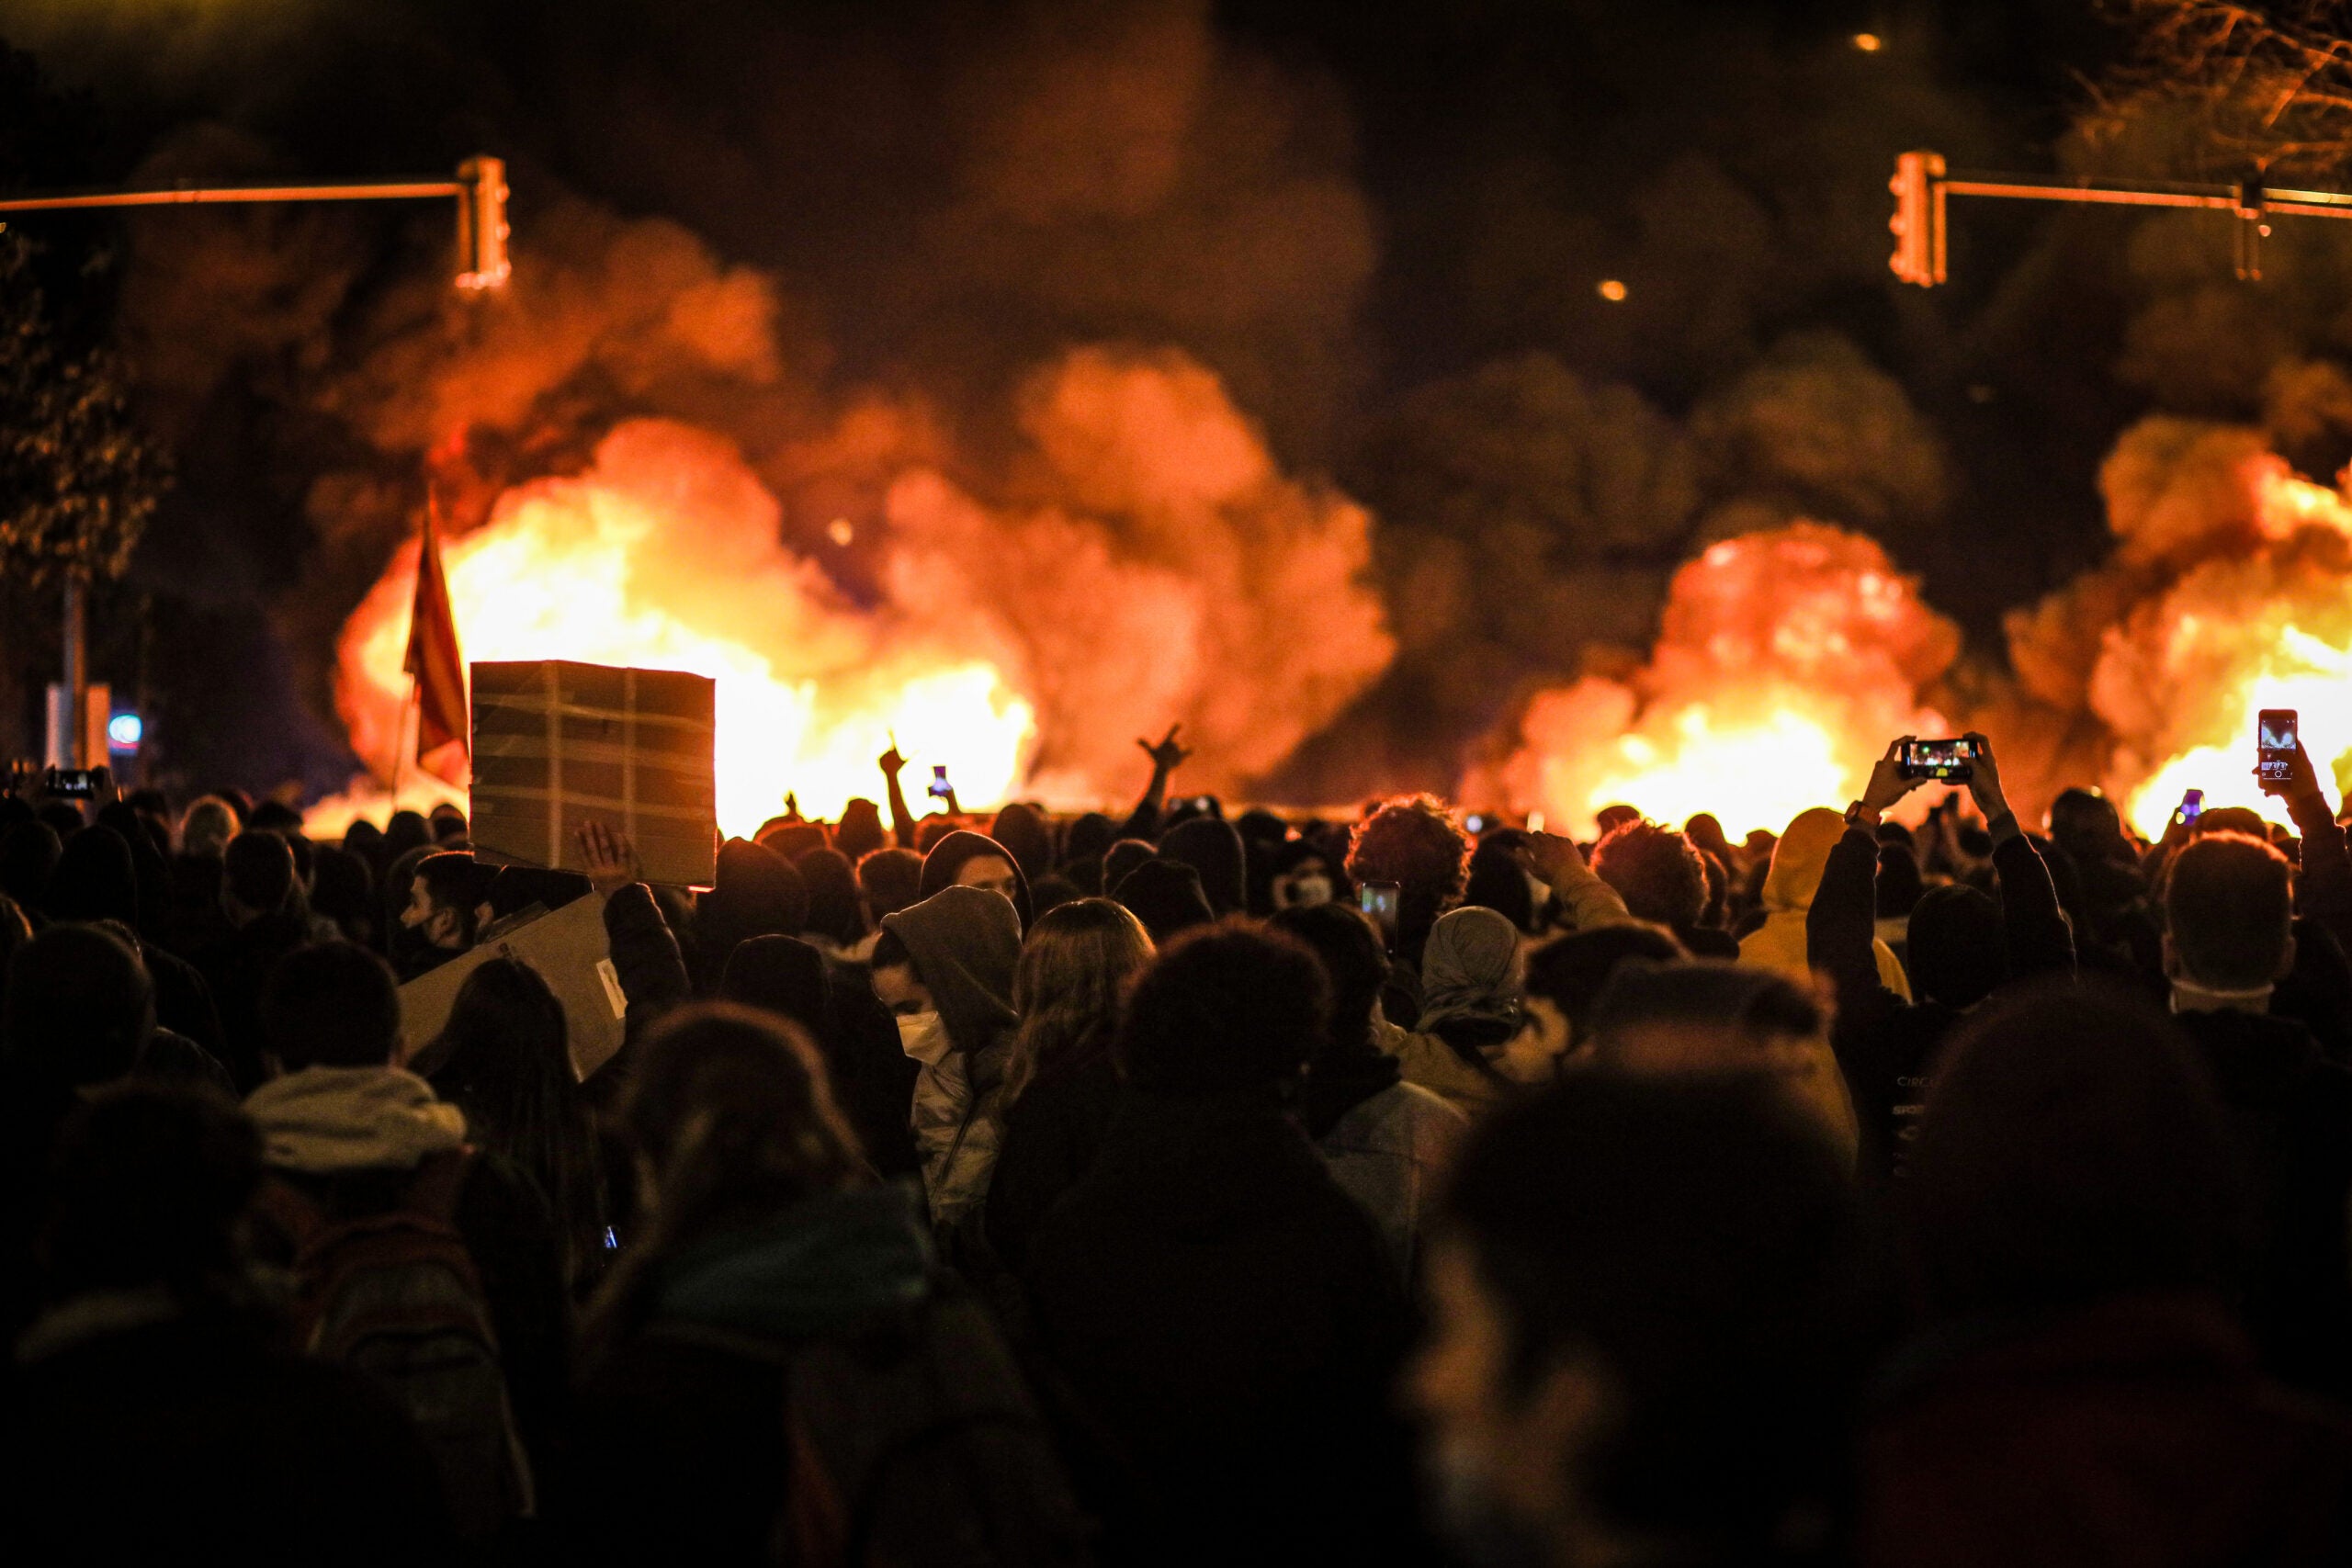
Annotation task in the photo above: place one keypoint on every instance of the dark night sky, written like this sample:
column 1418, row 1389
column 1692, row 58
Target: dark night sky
column 1384, row 227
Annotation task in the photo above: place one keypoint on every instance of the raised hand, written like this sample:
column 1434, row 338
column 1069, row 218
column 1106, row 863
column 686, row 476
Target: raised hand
column 1985, row 780
column 891, row 762
column 1167, row 756
column 1548, row 856
column 2302, row 782
column 1887, row 783
column 611, row 858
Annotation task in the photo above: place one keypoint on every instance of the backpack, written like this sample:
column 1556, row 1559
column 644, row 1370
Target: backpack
column 395, row 1295
column 914, row 1444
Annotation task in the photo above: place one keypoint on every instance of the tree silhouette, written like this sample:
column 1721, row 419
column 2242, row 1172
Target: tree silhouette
column 78, row 479
column 2256, row 89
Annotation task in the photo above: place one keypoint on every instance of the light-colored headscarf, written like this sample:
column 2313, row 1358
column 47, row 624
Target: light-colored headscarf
column 1469, row 969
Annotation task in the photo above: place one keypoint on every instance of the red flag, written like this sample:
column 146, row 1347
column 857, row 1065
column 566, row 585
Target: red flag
column 433, row 659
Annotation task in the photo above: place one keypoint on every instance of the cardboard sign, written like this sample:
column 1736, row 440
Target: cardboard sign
column 558, row 745
column 568, row 950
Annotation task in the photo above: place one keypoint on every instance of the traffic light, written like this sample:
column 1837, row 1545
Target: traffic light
column 1918, row 220
column 482, row 223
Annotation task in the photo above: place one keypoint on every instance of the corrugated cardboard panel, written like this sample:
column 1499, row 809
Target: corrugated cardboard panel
column 568, row 950
column 558, row 745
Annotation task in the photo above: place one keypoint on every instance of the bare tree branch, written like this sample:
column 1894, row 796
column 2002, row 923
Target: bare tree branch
column 2267, row 90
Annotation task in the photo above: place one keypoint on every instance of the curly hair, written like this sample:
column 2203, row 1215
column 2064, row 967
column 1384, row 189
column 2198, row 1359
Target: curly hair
column 1413, row 841
column 1656, row 870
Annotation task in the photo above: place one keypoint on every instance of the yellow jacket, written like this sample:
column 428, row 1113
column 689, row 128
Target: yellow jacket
column 1797, row 864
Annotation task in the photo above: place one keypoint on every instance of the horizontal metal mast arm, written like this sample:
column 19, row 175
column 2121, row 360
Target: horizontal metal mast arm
column 2150, row 193
column 2083, row 193
column 172, row 196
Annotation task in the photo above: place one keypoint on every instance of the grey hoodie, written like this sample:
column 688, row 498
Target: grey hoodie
column 965, row 942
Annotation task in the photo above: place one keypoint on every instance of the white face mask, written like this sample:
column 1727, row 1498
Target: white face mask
column 922, row 1037
column 1305, row 892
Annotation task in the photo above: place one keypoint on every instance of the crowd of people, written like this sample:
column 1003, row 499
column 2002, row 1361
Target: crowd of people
column 1186, row 1189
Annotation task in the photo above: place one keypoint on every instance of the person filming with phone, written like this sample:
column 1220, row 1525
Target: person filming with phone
column 2230, row 903
column 1965, row 944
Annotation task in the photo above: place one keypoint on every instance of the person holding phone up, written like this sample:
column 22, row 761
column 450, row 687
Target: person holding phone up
column 1964, row 946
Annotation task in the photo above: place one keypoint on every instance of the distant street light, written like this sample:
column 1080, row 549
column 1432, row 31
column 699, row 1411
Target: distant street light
column 1868, row 43
column 1611, row 289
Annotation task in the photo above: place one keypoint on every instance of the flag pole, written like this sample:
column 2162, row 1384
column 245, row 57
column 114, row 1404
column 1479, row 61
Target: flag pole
column 409, row 710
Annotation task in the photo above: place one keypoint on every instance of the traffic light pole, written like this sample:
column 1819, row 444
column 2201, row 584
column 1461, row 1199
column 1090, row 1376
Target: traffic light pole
column 1920, row 187
column 167, row 195
column 480, row 190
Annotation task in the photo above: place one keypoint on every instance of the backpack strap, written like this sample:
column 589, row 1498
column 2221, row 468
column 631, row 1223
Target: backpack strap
column 293, row 1212
column 432, row 1193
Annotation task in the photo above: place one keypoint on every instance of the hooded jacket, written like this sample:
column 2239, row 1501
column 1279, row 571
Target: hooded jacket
column 945, row 861
column 964, row 941
column 1798, row 860
column 1019, row 830
column 351, row 1137
column 1229, row 1320
column 680, row 1453
column 873, row 1080
column 1089, row 837
column 326, row 1121
column 1386, row 1153
column 1469, row 1010
column 821, row 1266
column 757, row 893
column 1211, row 846
column 1165, row 897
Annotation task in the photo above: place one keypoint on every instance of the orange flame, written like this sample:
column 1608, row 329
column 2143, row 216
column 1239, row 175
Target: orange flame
column 2265, row 627
column 1786, row 662
column 1144, row 562
column 665, row 556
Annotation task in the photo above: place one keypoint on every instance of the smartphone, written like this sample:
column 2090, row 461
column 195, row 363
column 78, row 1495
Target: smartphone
column 1536, row 821
column 70, row 784
column 2275, row 743
column 1378, row 899
column 940, row 788
column 1951, row 760
column 2192, row 804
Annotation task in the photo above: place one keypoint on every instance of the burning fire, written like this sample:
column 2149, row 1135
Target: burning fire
column 2244, row 630
column 1146, row 564
column 1786, row 662
column 665, row 556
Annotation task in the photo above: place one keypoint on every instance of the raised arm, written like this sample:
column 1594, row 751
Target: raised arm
column 903, row 821
column 2323, row 890
column 1839, row 927
column 1588, row 901
column 1166, row 757
column 2040, row 940
column 651, row 970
